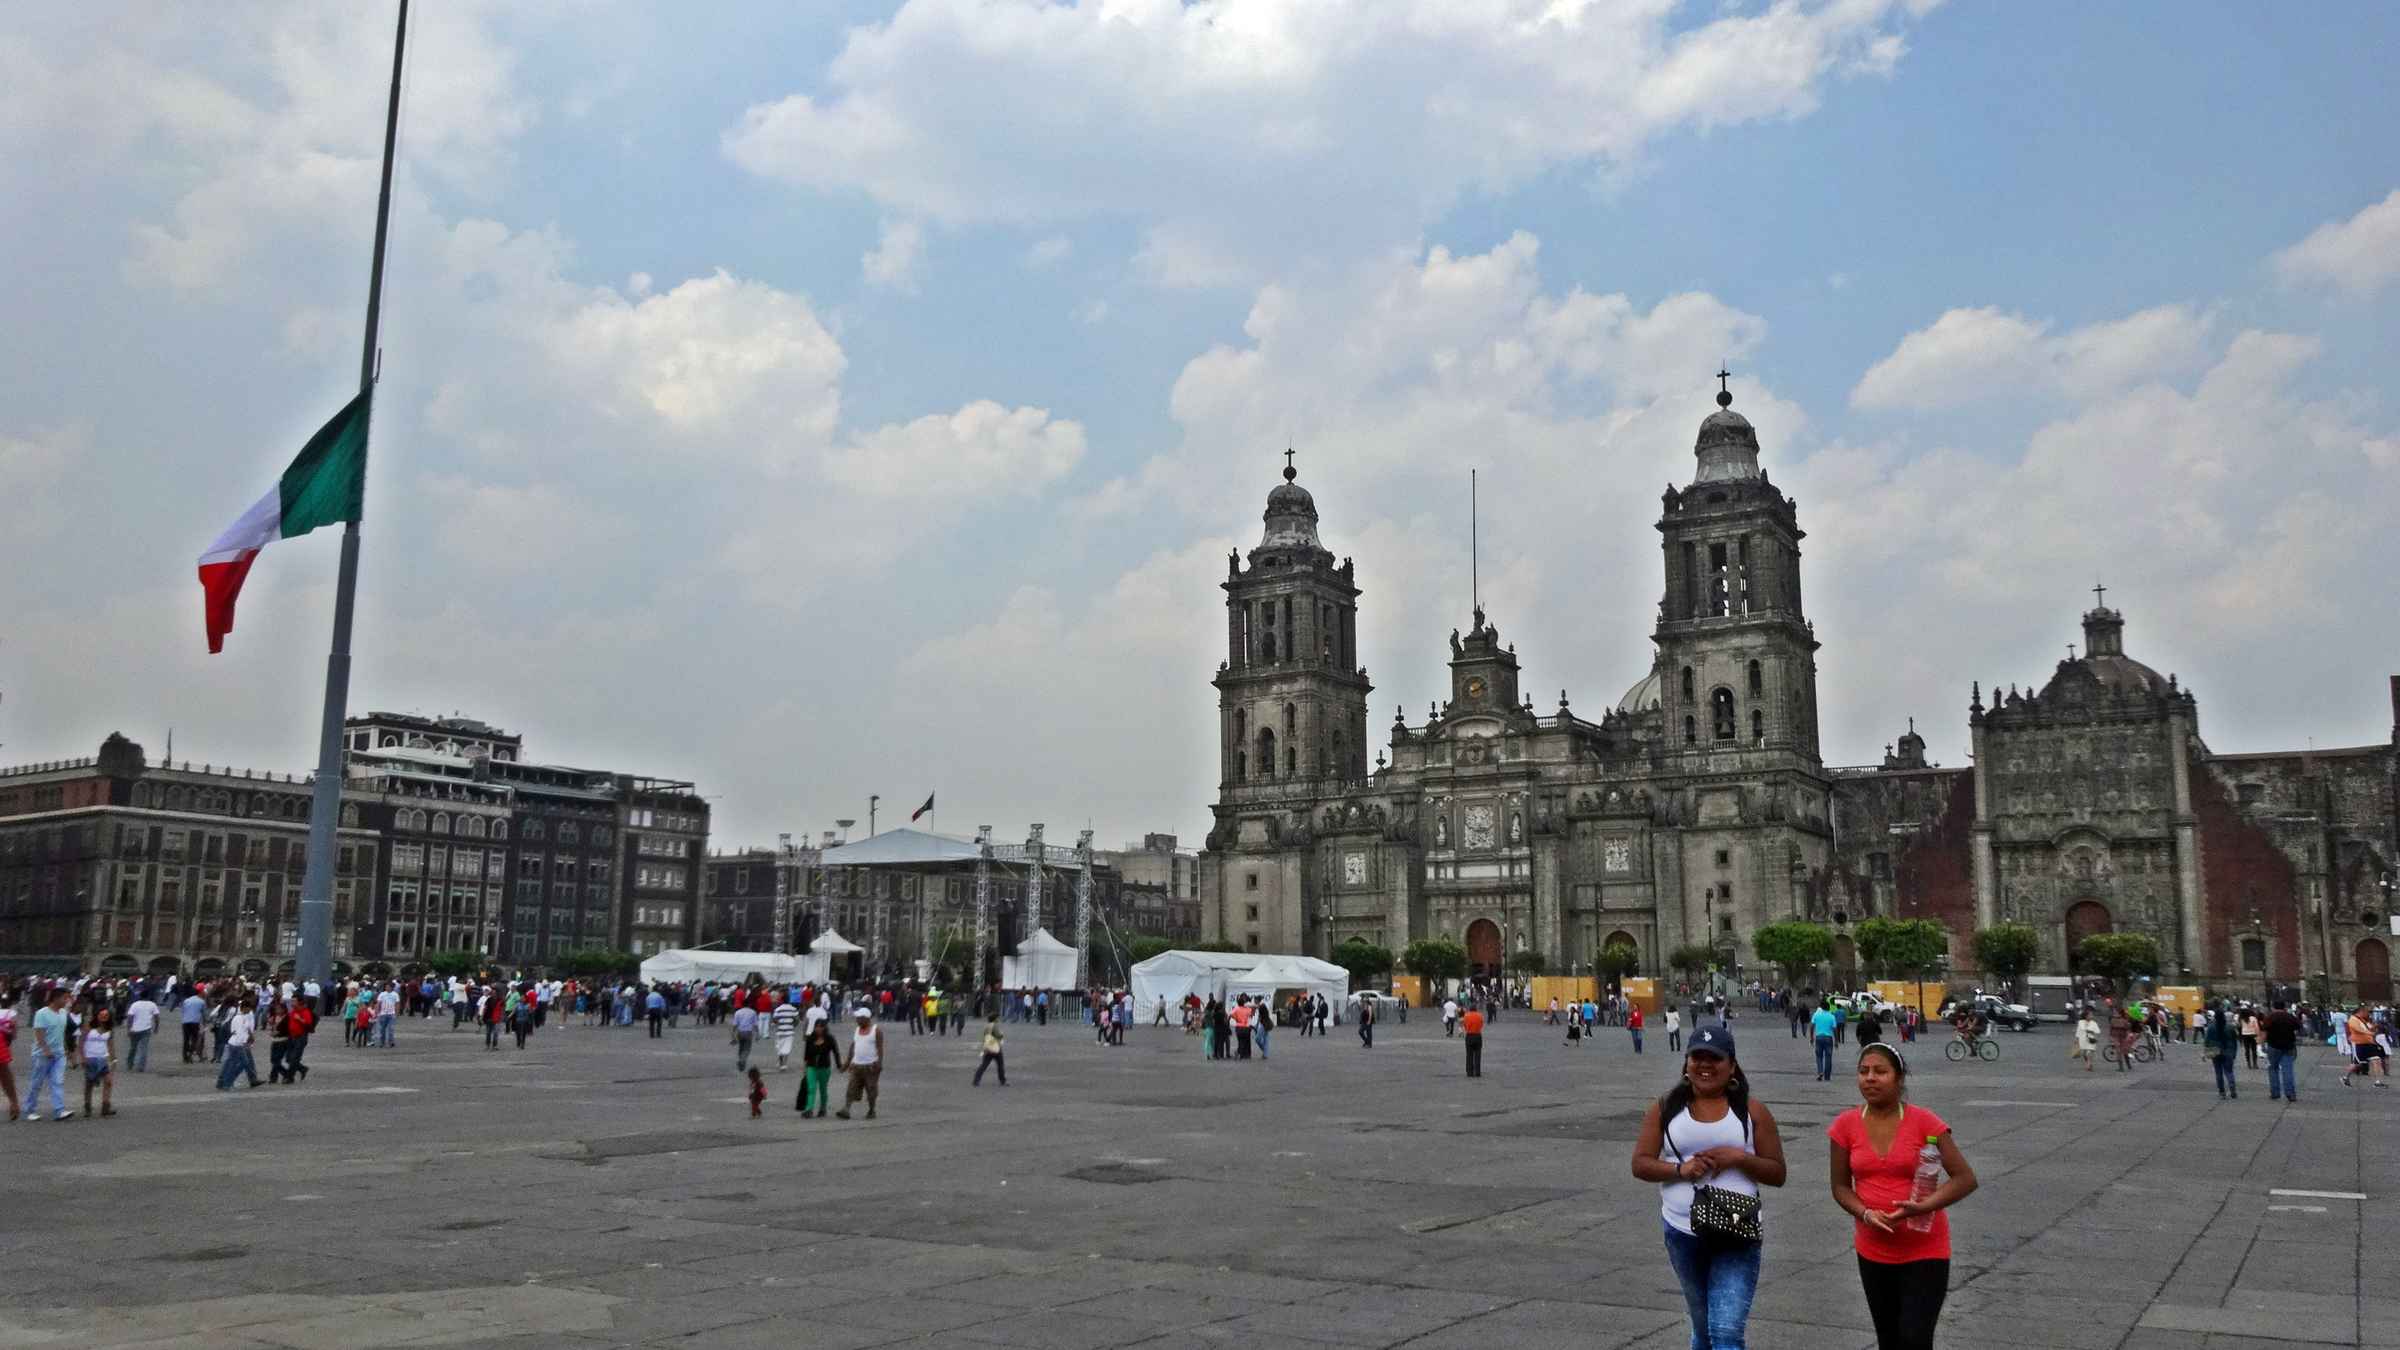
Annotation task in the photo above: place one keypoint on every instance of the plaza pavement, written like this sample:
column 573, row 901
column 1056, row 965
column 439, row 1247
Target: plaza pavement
column 602, row 1188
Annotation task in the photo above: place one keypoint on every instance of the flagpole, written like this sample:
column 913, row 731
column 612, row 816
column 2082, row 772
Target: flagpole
column 314, row 959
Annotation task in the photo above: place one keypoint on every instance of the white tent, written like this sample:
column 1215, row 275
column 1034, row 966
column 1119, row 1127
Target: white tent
column 1305, row 973
column 689, row 965
column 1174, row 975
column 816, row 967
column 831, row 943
column 1041, row 962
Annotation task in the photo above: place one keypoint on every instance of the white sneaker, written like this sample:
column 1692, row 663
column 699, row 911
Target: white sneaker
column 62, row 1115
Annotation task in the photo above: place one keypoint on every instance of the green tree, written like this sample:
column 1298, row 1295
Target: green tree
column 1363, row 959
column 1145, row 948
column 1691, row 958
column 1795, row 945
column 1435, row 959
column 1618, row 960
column 2007, row 950
column 2118, row 957
column 461, row 962
column 1900, row 948
column 1529, row 963
column 601, row 961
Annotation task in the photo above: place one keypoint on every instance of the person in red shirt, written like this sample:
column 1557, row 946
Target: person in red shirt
column 1633, row 1023
column 1470, row 1025
column 1902, row 1238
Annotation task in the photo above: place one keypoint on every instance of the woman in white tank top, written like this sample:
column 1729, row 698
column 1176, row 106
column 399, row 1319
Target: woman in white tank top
column 1707, row 1132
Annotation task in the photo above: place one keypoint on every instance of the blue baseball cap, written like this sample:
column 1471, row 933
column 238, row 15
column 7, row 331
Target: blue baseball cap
column 1713, row 1039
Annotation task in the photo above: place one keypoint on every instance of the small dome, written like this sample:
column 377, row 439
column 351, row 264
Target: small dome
column 1291, row 515
column 1727, row 447
column 1645, row 696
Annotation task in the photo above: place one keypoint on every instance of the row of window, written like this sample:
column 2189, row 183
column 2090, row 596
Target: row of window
column 666, row 820
column 571, row 833
column 469, row 826
column 658, row 916
column 662, row 878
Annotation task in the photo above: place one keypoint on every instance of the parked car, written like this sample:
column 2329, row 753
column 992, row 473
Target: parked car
column 1995, row 1011
column 1386, row 1005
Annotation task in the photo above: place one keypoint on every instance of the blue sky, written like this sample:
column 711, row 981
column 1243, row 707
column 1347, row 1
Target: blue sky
column 835, row 399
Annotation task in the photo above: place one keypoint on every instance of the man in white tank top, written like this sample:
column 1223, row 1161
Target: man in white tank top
column 865, row 1064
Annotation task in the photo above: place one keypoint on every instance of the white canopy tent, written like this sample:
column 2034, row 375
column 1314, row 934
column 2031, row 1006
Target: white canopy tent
column 1041, row 962
column 691, row 965
column 1304, row 973
column 816, row 967
column 1174, row 975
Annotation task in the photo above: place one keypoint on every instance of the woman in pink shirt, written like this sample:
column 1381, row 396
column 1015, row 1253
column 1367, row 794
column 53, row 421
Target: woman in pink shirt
column 1902, row 1236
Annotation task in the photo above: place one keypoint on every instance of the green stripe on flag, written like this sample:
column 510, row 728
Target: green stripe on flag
column 327, row 482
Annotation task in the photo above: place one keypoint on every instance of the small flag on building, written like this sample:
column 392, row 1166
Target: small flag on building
column 912, row 816
column 325, row 485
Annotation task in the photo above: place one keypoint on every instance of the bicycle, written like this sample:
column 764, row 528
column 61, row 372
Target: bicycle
column 1983, row 1048
column 2141, row 1052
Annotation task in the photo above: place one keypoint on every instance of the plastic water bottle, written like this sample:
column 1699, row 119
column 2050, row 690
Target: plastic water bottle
column 1928, row 1180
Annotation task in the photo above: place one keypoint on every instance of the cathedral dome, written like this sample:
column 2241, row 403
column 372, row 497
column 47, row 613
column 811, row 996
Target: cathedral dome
column 1291, row 515
column 1645, row 696
column 2104, row 659
column 1727, row 446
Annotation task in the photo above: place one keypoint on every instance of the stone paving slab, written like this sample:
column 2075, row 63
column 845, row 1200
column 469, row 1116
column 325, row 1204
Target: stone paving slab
column 604, row 1189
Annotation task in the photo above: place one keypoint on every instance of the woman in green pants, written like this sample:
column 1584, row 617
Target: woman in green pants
column 817, row 1056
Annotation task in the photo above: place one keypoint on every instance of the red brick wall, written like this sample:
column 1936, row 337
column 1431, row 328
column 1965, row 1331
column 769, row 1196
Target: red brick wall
column 1936, row 874
column 2241, row 870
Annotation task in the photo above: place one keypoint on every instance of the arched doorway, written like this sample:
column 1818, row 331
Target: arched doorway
column 1845, row 963
column 2374, row 967
column 1621, row 938
column 1483, row 948
column 2084, row 918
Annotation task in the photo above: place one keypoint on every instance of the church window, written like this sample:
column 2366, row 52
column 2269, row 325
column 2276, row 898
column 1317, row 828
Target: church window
column 1687, row 684
column 1724, row 857
column 1756, row 683
column 1741, row 581
column 1266, row 752
column 1719, row 581
column 1291, row 758
column 1720, row 707
column 1758, row 728
column 1250, row 883
column 1290, row 648
column 1266, row 636
column 1691, row 731
column 1341, row 765
column 1691, row 583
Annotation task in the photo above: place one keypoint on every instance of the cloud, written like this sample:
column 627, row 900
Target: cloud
column 1049, row 252
column 2359, row 256
column 897, row 262
column 1236, row 132
column 981, row 449
column 1975, row 355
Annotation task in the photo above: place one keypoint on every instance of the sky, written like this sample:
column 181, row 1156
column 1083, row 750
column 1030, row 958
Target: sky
column 823, row 400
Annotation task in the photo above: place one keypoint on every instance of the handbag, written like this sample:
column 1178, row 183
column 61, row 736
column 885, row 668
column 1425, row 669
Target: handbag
column 1719, row 1214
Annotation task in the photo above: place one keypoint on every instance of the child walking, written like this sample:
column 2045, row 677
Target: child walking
column 758, row 1092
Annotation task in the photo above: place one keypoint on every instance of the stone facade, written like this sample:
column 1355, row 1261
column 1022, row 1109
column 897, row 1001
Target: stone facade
column 1697, row 809
column 1693, row 811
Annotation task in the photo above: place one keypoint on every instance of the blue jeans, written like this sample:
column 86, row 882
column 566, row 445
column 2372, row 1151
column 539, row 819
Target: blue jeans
column 2223, row 1064
column 2279, row 1074
column 1825, row 1057
column 1637, row 1040
column 238, row 1064
column 50, row 1070
column 1719, row 1280
column 383, row 1029
column 137, row 1053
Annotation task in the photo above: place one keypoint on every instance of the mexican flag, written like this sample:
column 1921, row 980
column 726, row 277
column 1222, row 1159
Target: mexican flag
column 325, row 485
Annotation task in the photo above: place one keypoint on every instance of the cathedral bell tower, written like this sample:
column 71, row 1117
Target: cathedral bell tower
column 1737, row 653
column 1291, row 698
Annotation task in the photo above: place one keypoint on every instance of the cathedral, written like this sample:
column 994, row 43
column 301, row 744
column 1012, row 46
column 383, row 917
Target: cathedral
column 1699, row 807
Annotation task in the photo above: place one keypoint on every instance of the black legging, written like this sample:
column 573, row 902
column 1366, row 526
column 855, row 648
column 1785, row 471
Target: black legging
column 1905, row 1299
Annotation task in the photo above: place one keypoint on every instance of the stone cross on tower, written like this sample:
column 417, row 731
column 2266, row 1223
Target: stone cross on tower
column 2099, row 597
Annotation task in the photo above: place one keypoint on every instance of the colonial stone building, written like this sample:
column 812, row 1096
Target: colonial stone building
column 1698, row 809
column 2094, row 805
column 1693, row 811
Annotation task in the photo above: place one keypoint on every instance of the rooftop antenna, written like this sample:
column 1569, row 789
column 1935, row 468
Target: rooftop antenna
column 1474, row 551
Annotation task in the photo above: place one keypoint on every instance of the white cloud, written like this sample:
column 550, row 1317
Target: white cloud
column 1974, row 355
column 1239, row 130
column 897, row 262
column 2360, row 255
column 981, row 449
column 1049, row 252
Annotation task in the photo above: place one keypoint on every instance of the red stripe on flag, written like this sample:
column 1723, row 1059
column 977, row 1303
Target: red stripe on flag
column 221, row 583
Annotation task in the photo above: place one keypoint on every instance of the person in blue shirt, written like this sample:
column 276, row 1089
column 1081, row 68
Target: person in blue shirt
column 53, row 1037
column 1822, row 1024
column 656, row 1006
